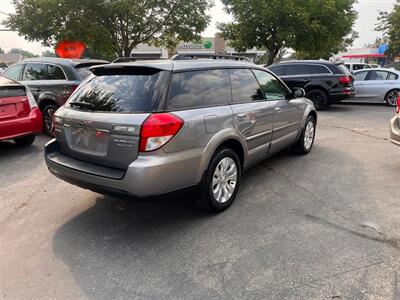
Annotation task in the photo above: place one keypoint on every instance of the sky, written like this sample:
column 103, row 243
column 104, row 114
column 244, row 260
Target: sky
column 367, row 14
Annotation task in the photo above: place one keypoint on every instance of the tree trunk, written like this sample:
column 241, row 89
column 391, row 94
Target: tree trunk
column 272, row 53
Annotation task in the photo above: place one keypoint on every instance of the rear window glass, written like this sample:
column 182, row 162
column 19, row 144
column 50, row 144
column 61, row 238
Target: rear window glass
column 199, row 89
column 121, row 93
column 278, row 70
column 360, row 76
column 392, row 76
column 12, row 91
column 343, row 70
column 55, row 73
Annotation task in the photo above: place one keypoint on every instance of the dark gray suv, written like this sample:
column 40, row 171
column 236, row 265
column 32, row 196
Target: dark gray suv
column 149, row 128
column 51, row 80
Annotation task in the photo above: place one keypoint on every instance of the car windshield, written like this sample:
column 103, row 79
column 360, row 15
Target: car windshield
column 121, row 93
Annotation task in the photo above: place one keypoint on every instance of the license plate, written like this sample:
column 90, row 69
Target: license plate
column 7, row 110
column 89, row 141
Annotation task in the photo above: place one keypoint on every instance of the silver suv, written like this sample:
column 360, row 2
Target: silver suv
column 148, row 128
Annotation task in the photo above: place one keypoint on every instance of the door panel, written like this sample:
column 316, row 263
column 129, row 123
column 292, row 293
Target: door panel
column 287, row 119
column 252, row 113
column 287, row 113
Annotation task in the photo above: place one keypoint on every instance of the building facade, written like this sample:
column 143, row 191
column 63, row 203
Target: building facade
column 205, row 45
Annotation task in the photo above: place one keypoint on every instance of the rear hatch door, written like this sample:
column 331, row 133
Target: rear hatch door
column 101, row 121
column 14, row 102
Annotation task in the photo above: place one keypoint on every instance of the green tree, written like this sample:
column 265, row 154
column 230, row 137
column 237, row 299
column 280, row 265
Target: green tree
column 23, row 52
column 110, row 26
column 1, row 51
column 389, row 25
column 313, row 28
column 48, row 53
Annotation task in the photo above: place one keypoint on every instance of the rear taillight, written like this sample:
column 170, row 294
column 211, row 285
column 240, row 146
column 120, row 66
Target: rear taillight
column 157, row 130
column 345, row 80
column 398, row 105
column 31, row 99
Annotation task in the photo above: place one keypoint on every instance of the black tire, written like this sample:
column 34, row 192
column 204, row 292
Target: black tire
column 319, row 98
column 302, row 147
column 25, row 141
column 391, row 97
column 48, row 112
column 208, row 201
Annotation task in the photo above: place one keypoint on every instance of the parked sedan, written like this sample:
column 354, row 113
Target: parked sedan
column 51, row 80
column 20, row 117
column 377, row 85
column 395, row 125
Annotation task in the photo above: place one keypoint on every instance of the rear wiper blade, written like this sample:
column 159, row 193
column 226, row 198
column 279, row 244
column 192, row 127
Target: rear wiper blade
column 82, row 104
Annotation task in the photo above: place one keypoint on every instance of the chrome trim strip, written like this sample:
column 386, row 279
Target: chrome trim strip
column 286, row 126
column 250, row 138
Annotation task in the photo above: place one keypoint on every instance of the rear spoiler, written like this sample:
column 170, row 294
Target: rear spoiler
column 90, row 64
column 131, row 68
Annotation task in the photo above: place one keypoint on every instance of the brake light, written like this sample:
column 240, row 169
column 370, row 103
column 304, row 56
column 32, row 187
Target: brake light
column 157, row 130
column 398, row 105
column 345, row 80
column 31, row 99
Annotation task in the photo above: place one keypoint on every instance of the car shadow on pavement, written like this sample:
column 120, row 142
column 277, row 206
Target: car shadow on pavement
column 166, row 248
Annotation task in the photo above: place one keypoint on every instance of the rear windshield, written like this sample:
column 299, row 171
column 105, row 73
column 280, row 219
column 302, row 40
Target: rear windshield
column 12, row 91
column 121, row 93
column 342, row 69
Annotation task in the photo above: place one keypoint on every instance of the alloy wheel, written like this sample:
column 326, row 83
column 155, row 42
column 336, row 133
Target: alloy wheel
column 224, row 180
column 309, row 135
column 392, row 98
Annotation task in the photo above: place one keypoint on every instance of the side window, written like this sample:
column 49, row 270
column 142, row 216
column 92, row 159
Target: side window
column 360, row 76
column 316, row 69
column 278, row 70
column 392, row 76
column 199, row 89
column 245, row 87
column 55, row 73
column 272, row 88
column 297, row 69
column 34, row 72
column 13, row 72
column 378, row 75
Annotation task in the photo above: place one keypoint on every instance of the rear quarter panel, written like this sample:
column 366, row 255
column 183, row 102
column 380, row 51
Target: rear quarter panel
column 205, row 129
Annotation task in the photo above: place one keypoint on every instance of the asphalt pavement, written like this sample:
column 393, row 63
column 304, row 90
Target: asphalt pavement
column 321, row 226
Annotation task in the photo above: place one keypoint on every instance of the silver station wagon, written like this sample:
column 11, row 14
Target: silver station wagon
column 148, row 128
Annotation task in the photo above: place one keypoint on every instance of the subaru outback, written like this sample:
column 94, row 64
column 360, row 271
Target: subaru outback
column 148, row 128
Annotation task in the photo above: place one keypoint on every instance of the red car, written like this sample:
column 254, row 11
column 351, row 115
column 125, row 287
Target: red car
column 20, row 117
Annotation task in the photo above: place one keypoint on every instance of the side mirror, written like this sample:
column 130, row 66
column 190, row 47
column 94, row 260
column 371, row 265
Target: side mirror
column 299, row 92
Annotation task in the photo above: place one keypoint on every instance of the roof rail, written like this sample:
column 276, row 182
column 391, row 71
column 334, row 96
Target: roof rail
column 188, row 56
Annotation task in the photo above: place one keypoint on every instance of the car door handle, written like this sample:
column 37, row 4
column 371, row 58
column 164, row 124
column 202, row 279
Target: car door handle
column 241, row 117
column 278, row 109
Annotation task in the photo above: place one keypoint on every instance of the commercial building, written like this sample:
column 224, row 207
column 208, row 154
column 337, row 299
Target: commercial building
column 205, row 45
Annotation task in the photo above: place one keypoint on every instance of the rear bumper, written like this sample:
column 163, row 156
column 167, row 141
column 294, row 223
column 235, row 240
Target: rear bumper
column 337, row 96
column 149, row 175
column 395, row 131
column 32, row 124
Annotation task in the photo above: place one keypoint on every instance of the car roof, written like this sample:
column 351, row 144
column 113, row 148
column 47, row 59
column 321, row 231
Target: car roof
column 321, row 62
column 178, row 65
column 4, row 81
column 66, row 61
column 379, row 69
